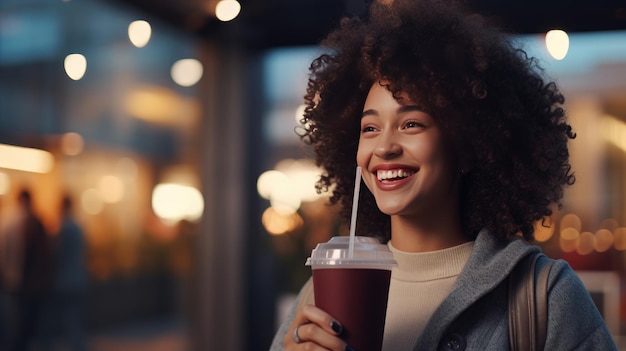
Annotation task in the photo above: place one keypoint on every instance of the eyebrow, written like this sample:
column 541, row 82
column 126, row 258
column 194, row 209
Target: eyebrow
column 401, row 109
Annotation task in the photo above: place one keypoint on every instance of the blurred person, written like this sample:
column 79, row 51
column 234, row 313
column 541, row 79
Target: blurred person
column 463, row 147
column 65, row 312
column 9, row 273
column 11, row 247
column 30, row 278
column 12, row 226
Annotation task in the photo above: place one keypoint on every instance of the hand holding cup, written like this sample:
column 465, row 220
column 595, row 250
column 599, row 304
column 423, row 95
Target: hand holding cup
column 312, row 325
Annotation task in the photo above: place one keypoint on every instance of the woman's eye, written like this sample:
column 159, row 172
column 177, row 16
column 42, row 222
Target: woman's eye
column 367, row 129
column 414, row 124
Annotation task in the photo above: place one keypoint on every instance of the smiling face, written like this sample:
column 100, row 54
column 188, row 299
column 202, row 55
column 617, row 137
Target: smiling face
column 407, row 164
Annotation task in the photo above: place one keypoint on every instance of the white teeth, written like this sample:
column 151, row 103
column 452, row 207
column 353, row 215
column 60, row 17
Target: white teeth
column 392, row 174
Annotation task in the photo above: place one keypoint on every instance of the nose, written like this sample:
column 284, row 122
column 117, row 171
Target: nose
column 387, row 147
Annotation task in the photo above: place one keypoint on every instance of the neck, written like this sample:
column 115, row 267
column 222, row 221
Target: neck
column 418, row 235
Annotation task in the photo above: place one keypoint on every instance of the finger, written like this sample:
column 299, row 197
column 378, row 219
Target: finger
column 313, row 333
column 310, row 313
column 293, row 341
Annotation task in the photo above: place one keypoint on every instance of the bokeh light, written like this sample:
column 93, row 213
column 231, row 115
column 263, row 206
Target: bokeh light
column 91, row 201
column 277, row 223
column 187, row 72
column 268, row 181
column 26, row 159
column 5, row 183
column 175, row 202
column 111, row 189
column 75, row 66
column 139, row 33
column 72, row 144
column 571, row 220
column 586, row 243
column 604, row 240
column 284, row 199
column 544, row 229
column 227, row 10
column 303, row 174
column 557, row 43
column 568, row 239
column 620, row 238
column 290, row 184
column 126, row 168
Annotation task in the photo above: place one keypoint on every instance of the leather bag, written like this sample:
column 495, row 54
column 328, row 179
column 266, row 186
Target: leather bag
column 528, row 305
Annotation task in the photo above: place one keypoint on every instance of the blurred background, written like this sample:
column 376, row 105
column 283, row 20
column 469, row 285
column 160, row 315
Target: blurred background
column 169, row 127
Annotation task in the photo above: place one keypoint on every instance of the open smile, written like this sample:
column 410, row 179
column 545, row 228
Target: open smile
column 390, row 175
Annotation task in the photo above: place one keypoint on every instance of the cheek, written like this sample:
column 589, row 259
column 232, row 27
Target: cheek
column 434, row 150
column 443, row 160
column 361, row 155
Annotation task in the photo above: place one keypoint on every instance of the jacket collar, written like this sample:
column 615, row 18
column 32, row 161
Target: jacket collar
column 491, row 261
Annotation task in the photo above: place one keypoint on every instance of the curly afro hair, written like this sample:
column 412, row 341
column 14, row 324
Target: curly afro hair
column 488, row 96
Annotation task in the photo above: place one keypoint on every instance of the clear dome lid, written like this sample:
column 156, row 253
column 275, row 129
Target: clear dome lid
column 367, row 253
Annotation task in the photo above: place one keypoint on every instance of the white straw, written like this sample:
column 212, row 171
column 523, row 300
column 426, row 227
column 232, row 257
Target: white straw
column 355, row 206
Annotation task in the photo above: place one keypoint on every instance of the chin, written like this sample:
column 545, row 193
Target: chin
column 391, row 209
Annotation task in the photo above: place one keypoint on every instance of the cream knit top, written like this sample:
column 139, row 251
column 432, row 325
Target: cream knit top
column 419, row 284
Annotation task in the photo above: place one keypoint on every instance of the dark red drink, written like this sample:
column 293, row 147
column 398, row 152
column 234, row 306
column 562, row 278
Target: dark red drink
column 357, row 298
column 351, row 283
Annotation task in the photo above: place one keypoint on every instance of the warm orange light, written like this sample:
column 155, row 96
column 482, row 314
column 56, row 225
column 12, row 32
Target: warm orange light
column 544, row 233
column 568, row 239
column 277, row 223
column 604, row 240
column 72, row 144
column 25, row 159
column 620, row 238
column 5, row 183
column 111, row 189
column 571, row 221
column 161, row 105
column 91, row 201
column 586, row 243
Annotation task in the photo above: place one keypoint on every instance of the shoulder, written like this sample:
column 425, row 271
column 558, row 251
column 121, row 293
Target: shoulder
column 573, row 318
column 562, row 277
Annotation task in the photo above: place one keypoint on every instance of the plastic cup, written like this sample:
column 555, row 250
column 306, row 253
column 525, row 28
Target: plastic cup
column 354, row 290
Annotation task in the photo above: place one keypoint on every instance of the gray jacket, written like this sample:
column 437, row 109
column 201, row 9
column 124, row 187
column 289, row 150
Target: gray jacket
column 475, row 317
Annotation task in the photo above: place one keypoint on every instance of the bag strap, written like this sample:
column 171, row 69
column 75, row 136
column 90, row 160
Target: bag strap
column 528, row 305
column 542, row 304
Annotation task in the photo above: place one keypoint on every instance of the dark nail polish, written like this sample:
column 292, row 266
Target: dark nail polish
column 348, row 348
column 334, row 325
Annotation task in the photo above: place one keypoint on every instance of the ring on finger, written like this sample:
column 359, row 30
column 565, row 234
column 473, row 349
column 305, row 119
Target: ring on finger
column 295, row 336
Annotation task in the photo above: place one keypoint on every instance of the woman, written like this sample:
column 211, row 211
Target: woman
column 463, row 148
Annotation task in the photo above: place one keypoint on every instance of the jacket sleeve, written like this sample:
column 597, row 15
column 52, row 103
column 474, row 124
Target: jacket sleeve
column 574, row 322
column 304, row 297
